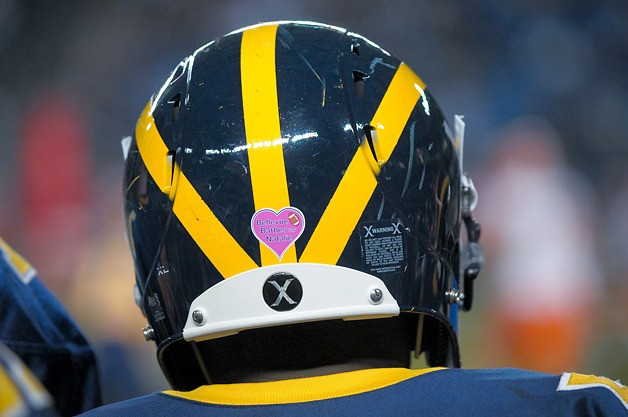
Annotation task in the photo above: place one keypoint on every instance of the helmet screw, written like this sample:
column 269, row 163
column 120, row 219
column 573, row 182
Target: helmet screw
column 149, row 332
column 454, row 296
column 376, row 296
column 198, row 317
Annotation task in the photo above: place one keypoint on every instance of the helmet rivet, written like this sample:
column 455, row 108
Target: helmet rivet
column 454, row 296
column 149, row 332
column 198, row 318
column 376, row 295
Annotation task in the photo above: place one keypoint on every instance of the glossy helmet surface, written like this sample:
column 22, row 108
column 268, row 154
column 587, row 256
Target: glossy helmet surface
column 292, row 172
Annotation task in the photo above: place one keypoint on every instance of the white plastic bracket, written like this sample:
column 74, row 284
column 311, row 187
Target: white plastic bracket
column 329, row 292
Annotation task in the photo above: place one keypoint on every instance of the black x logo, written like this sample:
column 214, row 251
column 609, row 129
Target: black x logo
column 282, row 291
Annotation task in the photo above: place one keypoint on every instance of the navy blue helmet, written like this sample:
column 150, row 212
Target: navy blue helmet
column 296, row 172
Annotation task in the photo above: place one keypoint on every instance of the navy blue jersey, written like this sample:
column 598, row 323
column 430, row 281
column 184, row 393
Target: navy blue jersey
column 36, row 327
column 393, row 392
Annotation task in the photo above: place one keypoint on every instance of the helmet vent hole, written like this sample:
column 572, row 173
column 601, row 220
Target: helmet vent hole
column 370, row 133
column 355, row 48
column 175, row 101
column 170, row 167
column 359, row 76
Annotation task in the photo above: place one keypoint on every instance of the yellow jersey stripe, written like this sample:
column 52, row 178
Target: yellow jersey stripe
column 358, row 184
column 11, row 402
column 21, row 266
column 201, row 223
column 20, row 390
column 574, row 381
column 300, row 389
column 263, row 131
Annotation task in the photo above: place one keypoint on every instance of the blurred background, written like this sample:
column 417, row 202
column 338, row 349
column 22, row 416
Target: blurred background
column 543, row 86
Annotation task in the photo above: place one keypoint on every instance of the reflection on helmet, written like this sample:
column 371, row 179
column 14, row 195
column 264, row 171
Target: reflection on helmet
column 293, row 172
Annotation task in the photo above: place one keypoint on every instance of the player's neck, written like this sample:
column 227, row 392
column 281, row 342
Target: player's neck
column 278, row 375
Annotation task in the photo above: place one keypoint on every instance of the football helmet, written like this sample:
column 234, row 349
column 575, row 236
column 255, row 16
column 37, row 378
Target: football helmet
column 295, row 172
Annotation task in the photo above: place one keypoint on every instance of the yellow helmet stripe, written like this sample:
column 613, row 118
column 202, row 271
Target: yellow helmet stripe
column 263, row 131
column 201, row 223
column 358, row 184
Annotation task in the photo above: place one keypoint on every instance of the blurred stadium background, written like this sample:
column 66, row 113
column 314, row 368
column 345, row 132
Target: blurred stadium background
column 543, row 86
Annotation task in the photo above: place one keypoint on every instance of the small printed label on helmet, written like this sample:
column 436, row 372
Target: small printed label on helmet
column 383, row 246
column 278, row 230
column 156, row 309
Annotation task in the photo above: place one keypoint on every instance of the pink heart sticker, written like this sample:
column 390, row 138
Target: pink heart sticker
column 278, row 230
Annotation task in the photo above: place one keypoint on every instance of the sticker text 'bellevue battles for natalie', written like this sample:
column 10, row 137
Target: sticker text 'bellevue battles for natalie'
column 278, row 230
